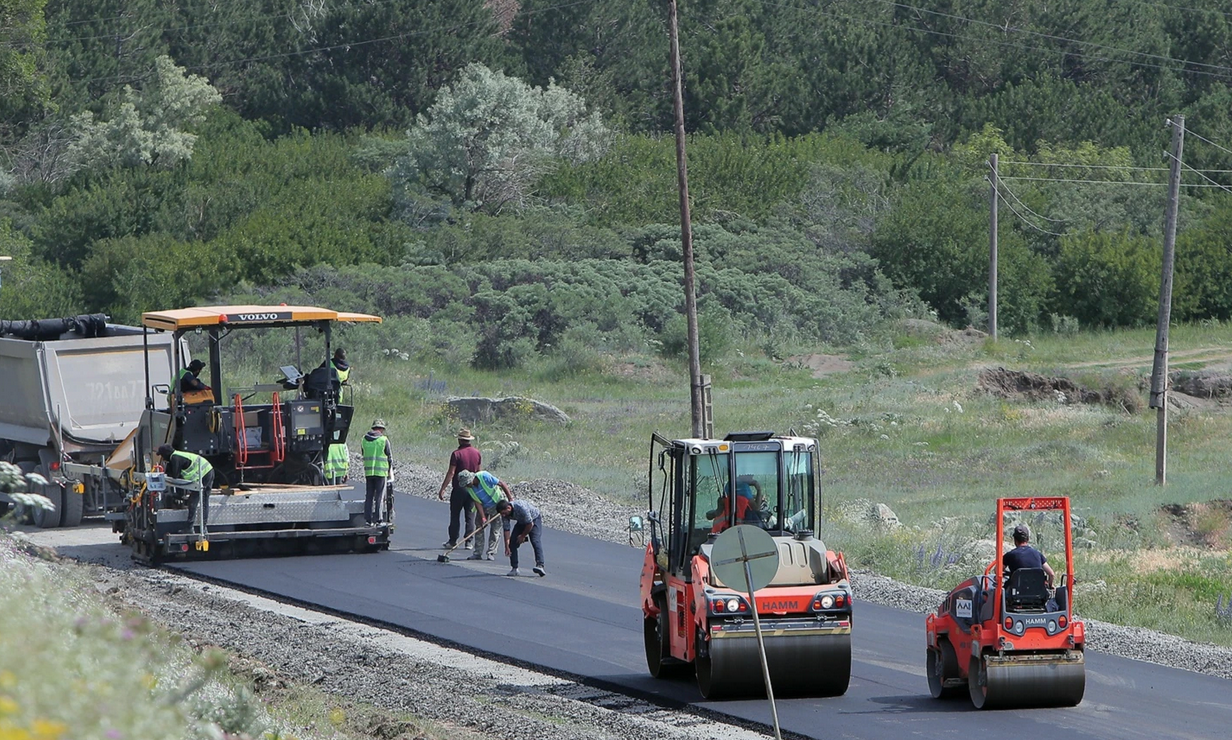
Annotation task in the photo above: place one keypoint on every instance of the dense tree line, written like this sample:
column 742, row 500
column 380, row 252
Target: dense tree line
column 499, row 177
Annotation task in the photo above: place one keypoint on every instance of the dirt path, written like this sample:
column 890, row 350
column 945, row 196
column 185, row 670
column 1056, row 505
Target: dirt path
column 1208, row 354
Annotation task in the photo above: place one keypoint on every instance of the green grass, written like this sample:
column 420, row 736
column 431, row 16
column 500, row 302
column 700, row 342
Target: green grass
column 912, row 431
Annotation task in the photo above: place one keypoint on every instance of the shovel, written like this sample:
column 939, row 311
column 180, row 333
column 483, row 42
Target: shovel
column 444, row 557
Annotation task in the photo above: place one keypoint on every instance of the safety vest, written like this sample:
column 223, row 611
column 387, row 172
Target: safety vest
column 183, row 372
column 723, row 520
column 376, row 463
column 337, row 462
column 342, row 374
column 198, row 466
column 491, row 495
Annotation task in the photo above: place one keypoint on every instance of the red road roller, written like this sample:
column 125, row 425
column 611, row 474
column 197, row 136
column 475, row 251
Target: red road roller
column 694, row 621
column 1008, row 638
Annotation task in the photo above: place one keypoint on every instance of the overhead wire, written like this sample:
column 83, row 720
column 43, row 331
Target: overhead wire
column 1012, row 29
column 1104, row 182
column 1200, row 174
column 1227, row 75
column 1021, row 203
column 342, row 45
column 1021, row 217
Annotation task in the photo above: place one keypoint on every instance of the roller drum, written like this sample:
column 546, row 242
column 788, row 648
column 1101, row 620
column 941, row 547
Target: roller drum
column 800, row 665
column 1011, row 683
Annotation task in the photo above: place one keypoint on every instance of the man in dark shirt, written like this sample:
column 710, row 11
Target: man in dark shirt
column 466, row 457
column 190, row 377
column 1025, row 556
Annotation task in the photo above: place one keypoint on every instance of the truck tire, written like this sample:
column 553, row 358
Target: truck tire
column 42, row 518
column 74, row 508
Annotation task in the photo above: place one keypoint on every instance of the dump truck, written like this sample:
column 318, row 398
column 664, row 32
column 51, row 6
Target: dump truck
column 265, row 441
column 1010, row 640
column 74, row 390
column 695, row 622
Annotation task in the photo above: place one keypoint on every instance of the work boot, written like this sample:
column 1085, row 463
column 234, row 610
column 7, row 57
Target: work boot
column 512, row 572
column 449, row 544
column 475, row 557
column 539, row 571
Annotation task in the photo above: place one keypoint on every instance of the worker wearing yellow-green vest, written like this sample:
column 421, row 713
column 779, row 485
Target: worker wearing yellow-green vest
column 487, row 490
column 340, row 365
column 194, row 469
column 337, row 464
column 378, row 465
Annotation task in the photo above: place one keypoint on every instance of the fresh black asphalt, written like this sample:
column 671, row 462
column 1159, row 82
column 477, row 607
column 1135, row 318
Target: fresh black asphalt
column 584, row 619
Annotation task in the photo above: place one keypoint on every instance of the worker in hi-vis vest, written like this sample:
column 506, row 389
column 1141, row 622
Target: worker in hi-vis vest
column 337, row 464
column 378, row 467
column 194, row 469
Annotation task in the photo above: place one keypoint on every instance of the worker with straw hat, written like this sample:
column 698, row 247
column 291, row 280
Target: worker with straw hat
column 467, row 458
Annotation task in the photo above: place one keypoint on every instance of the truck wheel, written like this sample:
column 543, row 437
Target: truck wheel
column 39, row 517
column 74, row 507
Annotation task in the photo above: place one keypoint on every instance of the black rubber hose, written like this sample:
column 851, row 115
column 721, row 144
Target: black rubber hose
column 41, row 330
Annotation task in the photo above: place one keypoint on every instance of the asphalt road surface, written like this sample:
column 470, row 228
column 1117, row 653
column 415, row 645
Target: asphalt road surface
column 584, row 619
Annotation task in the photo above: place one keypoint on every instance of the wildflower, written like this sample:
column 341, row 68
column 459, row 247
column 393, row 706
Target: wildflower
column 45, row 729
column 7, row 680
column 8, row 706
column 337, row 716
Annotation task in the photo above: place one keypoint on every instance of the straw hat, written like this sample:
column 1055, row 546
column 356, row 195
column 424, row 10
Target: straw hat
column 465, row 434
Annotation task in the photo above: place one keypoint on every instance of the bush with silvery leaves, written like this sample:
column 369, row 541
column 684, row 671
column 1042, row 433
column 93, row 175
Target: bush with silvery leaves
column 16, row 484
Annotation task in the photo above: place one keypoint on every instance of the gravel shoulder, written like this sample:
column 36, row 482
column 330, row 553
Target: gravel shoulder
column 474, row 695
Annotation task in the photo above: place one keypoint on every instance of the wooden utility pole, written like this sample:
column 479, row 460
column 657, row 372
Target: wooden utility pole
column 1159, row 373
column 992, row 247
column 686, row 233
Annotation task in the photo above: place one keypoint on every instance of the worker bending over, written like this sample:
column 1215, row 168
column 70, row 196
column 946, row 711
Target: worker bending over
column 522, row 520
column 487, row 491
column 193, row 468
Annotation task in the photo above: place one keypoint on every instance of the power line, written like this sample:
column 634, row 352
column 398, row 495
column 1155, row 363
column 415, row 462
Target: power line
column 342, row 45
column 1108, row 166
column 1024, row 205
column 1089, row 166
column 1203, row 138
column 1205, row 11
column 1105, row 182
column 1007, row 29
column 1019, row 215
column 1191, row 169
column 1005, row 44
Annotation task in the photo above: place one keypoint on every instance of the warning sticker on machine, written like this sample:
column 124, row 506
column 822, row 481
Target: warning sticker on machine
column 962, row 608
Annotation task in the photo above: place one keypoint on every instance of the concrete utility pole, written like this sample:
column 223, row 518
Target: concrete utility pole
column 1159, row 373
column 992, row 247
column 686, row 234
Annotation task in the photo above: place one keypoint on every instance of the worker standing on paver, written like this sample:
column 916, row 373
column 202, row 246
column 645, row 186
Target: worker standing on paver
column 378, row 465
column 466, row 457
column 487, row 491
column 522, row 521
column 337, row 464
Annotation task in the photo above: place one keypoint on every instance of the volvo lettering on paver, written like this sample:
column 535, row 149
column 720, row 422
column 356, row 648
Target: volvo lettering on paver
column 281, row 316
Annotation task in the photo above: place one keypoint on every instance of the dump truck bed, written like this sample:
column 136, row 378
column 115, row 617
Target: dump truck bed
column 92, row 391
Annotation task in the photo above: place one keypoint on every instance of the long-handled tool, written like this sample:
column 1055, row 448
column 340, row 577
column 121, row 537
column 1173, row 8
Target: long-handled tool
column 444, row 557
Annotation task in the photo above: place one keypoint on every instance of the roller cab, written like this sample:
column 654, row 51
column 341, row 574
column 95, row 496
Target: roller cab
column 1011, row 640
column 692, row 620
